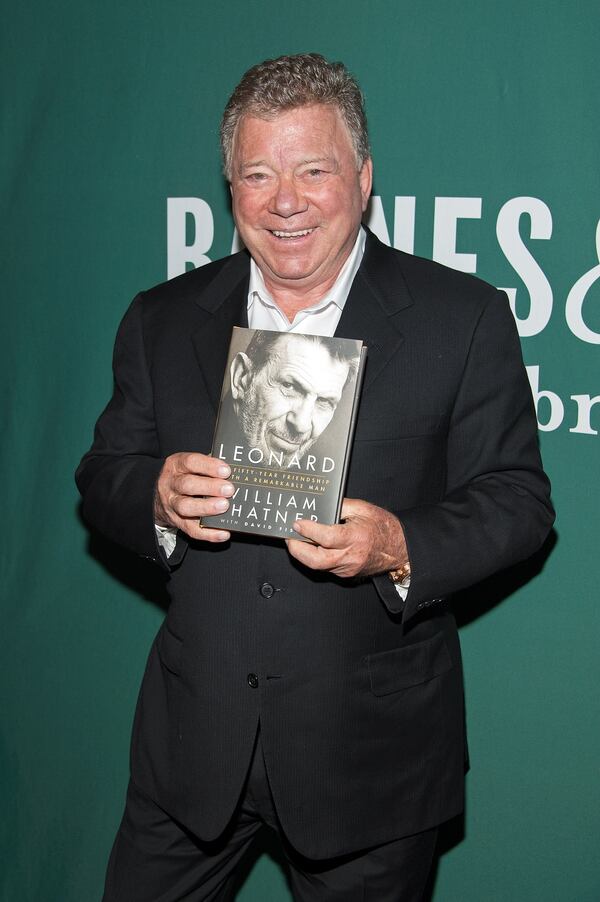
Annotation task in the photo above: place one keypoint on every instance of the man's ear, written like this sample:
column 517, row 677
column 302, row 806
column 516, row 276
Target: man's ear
column 365, row 179
column 241, row 373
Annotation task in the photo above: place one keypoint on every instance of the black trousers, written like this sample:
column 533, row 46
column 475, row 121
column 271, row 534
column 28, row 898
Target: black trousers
column 155, row 859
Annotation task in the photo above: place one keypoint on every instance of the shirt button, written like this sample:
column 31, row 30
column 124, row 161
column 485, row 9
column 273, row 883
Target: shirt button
column 267, row 590
column 252, row 680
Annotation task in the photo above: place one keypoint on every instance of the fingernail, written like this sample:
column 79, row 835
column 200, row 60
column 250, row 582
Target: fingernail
column 227, row 490
column 224, row 471
column 221, row 505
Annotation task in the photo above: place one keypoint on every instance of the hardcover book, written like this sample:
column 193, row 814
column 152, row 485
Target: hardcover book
column 285, row 426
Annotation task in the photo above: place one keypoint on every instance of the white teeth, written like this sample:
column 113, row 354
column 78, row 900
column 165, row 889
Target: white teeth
column 292, row 234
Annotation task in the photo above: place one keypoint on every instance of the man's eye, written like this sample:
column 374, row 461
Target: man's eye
column 312, row 174
column 326, row 403
column 256, row 177
column 289, row 389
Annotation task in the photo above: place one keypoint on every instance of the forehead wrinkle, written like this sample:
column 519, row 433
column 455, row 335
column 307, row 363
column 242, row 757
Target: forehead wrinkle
column 244, row 164
column 324, row 132
column 315, row 158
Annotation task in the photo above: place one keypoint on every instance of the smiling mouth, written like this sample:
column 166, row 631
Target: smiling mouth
column 300, row 233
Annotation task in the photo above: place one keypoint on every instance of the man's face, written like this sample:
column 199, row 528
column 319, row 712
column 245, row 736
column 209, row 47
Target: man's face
column 286, row 404
column 298, row 196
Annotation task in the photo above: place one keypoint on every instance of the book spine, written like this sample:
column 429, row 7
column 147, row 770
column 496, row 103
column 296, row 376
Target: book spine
column 351, row 428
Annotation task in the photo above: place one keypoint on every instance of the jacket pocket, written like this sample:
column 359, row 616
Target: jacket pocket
column 170, row 648
column 401, row 668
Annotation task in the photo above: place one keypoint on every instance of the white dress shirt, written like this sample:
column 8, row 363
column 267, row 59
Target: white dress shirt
column 319, row 319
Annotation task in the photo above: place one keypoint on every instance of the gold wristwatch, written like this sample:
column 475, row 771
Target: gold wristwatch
column 401, row 577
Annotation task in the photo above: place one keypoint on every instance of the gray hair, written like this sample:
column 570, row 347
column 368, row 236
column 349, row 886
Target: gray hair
column 288, row 82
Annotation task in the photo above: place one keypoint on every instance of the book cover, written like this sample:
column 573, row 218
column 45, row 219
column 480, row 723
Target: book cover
column 285, row 426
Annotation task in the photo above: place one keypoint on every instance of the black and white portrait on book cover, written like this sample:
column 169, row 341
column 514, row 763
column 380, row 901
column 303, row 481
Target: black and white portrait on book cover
column 287, row 410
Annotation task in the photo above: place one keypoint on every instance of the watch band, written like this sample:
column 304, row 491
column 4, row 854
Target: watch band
column 401, row 576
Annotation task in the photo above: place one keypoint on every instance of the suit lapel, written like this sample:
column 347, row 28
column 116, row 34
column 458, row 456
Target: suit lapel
column 221, row 306
column 378, row 294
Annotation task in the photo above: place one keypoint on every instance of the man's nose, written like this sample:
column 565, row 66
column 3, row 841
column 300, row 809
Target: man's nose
column 300, row 415
column 287, row 199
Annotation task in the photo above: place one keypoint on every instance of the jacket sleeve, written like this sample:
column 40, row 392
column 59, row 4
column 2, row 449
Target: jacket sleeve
column 496, row 508
column 118, row 474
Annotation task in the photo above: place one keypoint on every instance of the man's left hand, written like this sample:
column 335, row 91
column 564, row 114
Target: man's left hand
column 369, row 540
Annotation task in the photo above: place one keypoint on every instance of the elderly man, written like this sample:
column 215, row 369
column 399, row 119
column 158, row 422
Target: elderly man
column 314, row 688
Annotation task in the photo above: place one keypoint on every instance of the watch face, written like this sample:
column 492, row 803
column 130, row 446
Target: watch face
column 401, row 577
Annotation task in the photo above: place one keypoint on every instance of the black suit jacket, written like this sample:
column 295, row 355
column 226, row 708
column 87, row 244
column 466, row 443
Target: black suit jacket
column 359, row 695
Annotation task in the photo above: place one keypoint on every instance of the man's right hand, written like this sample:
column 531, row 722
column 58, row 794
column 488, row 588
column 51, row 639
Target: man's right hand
column 191, row 486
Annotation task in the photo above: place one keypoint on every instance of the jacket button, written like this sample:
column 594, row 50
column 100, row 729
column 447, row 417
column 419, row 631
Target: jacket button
column 252, row 680
column 267, row 590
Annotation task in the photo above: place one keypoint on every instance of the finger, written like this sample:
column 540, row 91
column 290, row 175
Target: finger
column 312, row 556
column 321, row 533
column 190, row 484
column 204, row 533
column 205, row 465
column 351, row 507
column 188, row 507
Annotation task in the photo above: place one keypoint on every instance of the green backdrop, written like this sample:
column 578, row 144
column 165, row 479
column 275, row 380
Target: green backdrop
column 485, row 131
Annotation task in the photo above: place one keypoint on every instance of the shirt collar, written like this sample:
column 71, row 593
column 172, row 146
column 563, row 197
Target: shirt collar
column 337, row 294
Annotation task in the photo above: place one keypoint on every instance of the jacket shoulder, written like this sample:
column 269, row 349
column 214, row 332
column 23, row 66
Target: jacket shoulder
column 190, row 286
column 431, row 283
